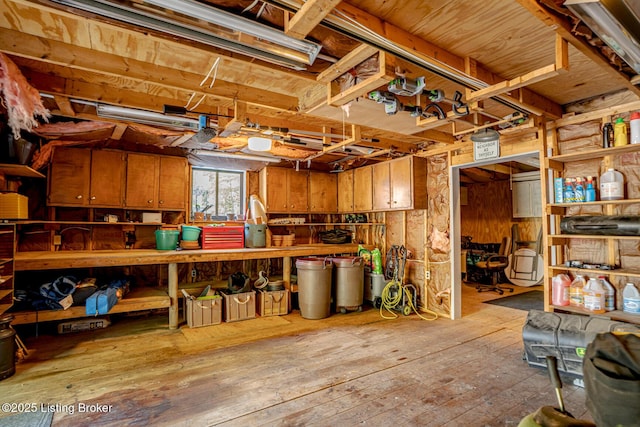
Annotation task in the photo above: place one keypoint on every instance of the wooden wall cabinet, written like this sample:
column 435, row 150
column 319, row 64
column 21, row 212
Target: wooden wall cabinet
column 400, row 184
column 284, row 190
column 86, row 178
column 525, row 195
column 323, row 192
column 345, row 191
column 7, row 254
column 156, row 182
column 363, row 189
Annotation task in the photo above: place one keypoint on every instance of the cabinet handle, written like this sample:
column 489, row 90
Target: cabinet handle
column 79, row 196
column 160, row 201
column 149, row 201
column 93, row 197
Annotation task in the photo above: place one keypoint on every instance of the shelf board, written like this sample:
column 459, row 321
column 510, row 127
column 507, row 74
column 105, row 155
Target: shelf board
column 5, row 292
column 325, row 223
column 20, row 170
column 591, row 271
column 4, row 308
column 5, row 260
column 33, row 221
column 590, row 236
column 137, row 300
column 596, row 203
column 613, row 315
column 5, row 279
column 596, row 153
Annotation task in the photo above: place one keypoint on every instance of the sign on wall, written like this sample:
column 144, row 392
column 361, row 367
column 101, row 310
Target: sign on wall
column 484, row 150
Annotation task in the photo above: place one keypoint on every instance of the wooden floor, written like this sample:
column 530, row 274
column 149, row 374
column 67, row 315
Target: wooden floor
column 348, row 369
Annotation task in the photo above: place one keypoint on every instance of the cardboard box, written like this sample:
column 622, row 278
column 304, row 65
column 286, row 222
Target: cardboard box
column 273, row 303
column 14, row 206
column 239, row 306
column 203, row 312
column 151, row 217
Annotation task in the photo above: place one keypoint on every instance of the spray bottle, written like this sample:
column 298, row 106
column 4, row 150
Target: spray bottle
column 590, row 193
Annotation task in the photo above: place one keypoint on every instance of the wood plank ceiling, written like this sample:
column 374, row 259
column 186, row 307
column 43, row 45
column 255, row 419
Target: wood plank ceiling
column 79, row 59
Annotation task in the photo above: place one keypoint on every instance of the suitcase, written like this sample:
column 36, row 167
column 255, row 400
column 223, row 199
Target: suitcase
column 564, row 336
column 100, row 302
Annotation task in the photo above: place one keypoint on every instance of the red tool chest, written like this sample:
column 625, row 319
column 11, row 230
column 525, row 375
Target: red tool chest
column 227, row 237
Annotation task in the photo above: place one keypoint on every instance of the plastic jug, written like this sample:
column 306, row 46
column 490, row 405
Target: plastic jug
column 609, row 294
column 593, row 296
column 620, row 133
column 631, row 299
column 575, row 291
column 634, row 126
column 611, row 185
column 560, row 289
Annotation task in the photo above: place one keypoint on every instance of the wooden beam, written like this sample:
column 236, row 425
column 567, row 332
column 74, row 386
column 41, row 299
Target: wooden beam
column 346, row 63
column 239, row 119
column 308, row 17
column 384, row 74
column 118, row 131
column 181, row 140
column 549, row 71
column 354, row 139
column 64, row 105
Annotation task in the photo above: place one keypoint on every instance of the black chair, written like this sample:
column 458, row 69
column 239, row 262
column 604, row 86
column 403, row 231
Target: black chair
column 493, row 267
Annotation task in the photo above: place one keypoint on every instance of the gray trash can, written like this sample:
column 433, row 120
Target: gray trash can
column 7, row 348
column 314, row 287
column 348, row 280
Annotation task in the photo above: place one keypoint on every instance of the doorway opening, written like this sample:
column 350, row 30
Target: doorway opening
column 482, row 209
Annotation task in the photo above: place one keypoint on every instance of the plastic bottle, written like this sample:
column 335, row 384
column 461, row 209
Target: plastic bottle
column 609, row 294
column 560, row 289
column 568, row 195
column 579, row 192
column 607, row 135
column 593, row 296
column 611, row 185
column 575, row 291
column 634, row 127
column 620, row 133
column 631, row 299
column 590, row 192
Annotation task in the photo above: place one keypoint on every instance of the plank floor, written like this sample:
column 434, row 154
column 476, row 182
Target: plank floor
column 347, row 369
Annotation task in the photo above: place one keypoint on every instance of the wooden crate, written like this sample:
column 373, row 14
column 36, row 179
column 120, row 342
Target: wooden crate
column 239, row 306
column 273, row 303
column 203, row 312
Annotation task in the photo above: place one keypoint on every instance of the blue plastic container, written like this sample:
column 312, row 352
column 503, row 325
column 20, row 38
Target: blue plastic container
column 190, row 233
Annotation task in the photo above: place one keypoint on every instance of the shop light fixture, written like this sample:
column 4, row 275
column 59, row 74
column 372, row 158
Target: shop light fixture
column 616, row 22
column 224, row 30
column 486, row 135
column 146, row 117
column 212, row 153
column 258, row 143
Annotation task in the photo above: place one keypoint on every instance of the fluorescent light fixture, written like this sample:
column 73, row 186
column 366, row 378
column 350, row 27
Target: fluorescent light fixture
column 146, row 117
column 616, row 22
column 224, row 30
column 212, row 153
column 257, row 143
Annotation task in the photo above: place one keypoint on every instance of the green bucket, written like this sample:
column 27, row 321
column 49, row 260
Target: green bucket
column 167, row 240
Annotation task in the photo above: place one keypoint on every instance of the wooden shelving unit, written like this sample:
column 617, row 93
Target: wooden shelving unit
column 7, row 254
column 607, row 246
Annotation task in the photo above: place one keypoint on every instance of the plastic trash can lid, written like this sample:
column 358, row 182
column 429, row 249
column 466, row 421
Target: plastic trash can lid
column 314, row 263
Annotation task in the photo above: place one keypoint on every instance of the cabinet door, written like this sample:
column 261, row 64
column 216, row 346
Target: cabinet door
column 401, row 183
column 69, row 177
column 107, row 178
column 362, row 189
column 323, row 192
column 273, row 189
column 142, row 181
column 381, row 187
column 298, row 191
column 173, row 183
column 345, row 191
column 526, row 199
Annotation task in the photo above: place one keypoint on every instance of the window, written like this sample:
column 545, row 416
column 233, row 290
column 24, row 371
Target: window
column 217, row 193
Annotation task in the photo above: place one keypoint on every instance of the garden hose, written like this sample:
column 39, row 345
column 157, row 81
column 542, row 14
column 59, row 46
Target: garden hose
column 389, row 301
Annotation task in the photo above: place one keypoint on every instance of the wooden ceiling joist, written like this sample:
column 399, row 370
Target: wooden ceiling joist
column 308, row 17
column 561, row 64
column 354, row 139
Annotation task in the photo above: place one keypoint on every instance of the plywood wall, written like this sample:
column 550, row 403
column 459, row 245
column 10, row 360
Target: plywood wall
column 488, row 216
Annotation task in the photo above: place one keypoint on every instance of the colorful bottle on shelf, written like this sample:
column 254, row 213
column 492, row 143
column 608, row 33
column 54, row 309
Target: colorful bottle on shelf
column 593, row 296
column 611, row 185
column 609, row 294
column 620, row 133
column 575, row 291
column 560, row 289
column 634, row 127
column 569, row 195
column 579, row 192
column 590, row 192
column 631, row 299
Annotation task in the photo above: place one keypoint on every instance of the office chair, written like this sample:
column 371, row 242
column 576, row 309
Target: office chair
column 493, row 266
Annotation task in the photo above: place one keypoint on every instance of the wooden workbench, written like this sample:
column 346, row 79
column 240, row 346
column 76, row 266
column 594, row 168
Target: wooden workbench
column 33, row 261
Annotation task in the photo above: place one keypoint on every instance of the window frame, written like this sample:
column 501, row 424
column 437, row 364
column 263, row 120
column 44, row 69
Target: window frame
column 218, row 216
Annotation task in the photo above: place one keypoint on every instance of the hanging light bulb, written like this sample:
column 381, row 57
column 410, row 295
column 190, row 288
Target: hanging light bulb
column 486, row 135
column 257, row 143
